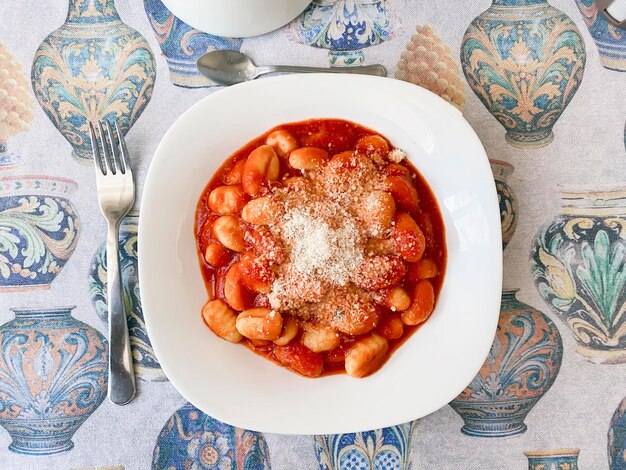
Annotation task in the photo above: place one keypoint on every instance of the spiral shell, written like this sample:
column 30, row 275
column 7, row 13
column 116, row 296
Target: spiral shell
column 428, row 62
column 16, row 104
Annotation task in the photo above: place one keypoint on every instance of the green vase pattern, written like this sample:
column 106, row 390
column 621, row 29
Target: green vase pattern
column 578, row 261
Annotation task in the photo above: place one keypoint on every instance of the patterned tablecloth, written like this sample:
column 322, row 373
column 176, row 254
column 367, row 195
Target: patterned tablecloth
column 545, row 91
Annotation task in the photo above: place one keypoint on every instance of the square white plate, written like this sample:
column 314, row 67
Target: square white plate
column 232, row 384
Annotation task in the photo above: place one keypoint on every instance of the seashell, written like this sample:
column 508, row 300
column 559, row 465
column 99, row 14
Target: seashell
column 428, row 62
column 16, row 104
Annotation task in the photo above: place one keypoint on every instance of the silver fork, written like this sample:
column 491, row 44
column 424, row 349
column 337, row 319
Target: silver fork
column 116, row 194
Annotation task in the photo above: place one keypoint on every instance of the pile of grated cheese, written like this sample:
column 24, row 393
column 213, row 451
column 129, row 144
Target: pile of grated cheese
column 322, row 232
column 331, row 253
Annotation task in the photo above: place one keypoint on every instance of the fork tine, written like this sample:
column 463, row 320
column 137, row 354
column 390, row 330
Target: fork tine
column 105, row 149
column 123, row 148
column 115, row 152
column 97, row 160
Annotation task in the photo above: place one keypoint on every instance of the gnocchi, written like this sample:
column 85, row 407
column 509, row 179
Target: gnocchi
column 320, row 339
column 233, row 176
column 322, row 247
column 216, row 255
column 423, row 269
column 221, row 319
column 397, row 299
column 228, row 232
column 408, row 237
column 372, row 144
column 352, row 312
column 255, row 274
column 376, row 210
column 366, row 356
column 262, row 211
column 403, row 192
column 289, row 332
column 282, row 141
column 227, row 200
column 391, row 326
column 260, row 324
column 235, row 293
column 422, row 304
column 379, row 272
column 307, row 158
column 261, row 166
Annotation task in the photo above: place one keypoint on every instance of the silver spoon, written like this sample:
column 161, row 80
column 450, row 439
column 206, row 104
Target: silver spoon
column 231, row 67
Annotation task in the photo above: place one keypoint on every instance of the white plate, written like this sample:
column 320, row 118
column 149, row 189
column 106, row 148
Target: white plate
column 232, row 384
column 236, row 18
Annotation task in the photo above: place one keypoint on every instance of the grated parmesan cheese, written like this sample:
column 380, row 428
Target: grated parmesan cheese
column 333, row 253
column 396, row 155
column 326, row 242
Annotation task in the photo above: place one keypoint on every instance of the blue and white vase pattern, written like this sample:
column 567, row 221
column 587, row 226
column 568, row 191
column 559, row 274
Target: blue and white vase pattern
column 522, row 365
column 524, row 60
column 183, row 45
column 53, row 375
column 387, row 448
column 146, row 365
column 611, row 41
column 506, row 198
column 192, row 440
column 561, row 459
column 93, row 68
column 617, row 438
column 8, row 160
column 345, row 27
column 39, row 229
column 578, row 261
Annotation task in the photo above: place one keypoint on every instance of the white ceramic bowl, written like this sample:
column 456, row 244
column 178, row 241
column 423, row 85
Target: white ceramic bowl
column 236, row 18
column 232, row 384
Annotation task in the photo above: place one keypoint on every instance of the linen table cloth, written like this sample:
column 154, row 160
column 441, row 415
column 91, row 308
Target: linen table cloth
column 544, row 86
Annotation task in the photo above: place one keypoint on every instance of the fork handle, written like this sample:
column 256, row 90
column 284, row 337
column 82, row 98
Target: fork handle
column 121, row 372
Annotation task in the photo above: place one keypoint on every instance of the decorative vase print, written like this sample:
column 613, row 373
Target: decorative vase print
column 193, row 440
column 345, row 27
column 183, row 45
column 506, row 199
column 93, row 68
column 16, row 106
column 611, row 41
column 578, row 261
column 39, row 230
column 524, row 60
column 617, row 438
column 53, row 375
column 387, row 448
column 522, row 365
column 428, row 62
column 146, row 365
column 561, row 459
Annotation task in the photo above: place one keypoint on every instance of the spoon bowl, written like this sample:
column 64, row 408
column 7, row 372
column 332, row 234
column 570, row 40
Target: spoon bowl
column 227, row 67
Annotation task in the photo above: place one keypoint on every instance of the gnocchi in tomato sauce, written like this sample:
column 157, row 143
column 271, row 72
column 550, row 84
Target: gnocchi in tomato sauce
column 321, row 246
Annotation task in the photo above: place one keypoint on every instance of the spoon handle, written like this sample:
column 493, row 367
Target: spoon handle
column 375, row 69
